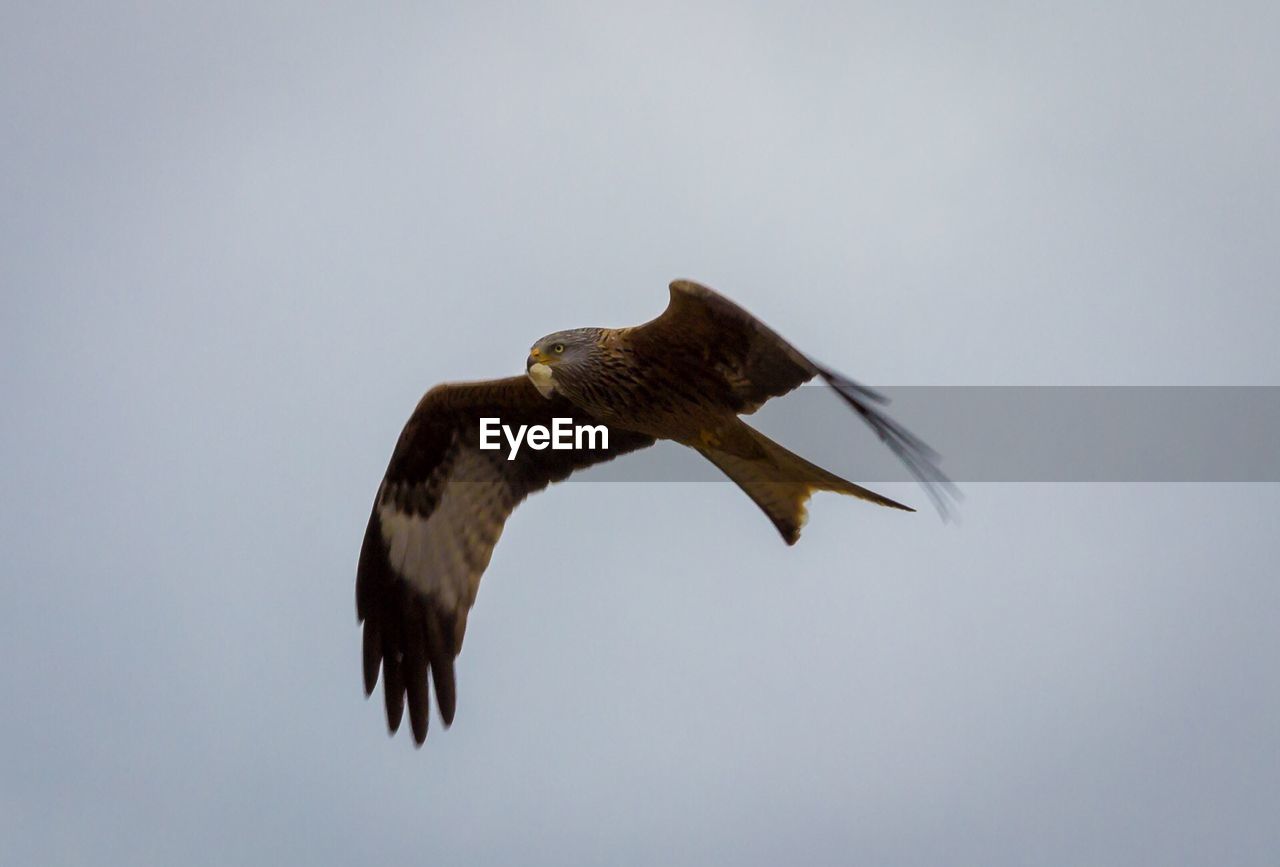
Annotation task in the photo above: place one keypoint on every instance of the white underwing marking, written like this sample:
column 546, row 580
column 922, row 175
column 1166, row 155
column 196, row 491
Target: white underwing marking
column 444, row 553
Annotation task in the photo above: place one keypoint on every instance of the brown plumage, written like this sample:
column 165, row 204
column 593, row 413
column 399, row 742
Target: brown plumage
column 686, row 376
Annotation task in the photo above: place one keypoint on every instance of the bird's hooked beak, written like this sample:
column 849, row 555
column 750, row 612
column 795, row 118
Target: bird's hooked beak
column 540, row 372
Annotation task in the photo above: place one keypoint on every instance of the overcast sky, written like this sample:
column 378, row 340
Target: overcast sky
column 238, row 242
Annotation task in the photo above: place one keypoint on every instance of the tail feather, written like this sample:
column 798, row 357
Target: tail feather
column 780, row 481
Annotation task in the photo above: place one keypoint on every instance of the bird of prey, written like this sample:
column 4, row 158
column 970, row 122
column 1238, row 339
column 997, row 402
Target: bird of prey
column 685, row 376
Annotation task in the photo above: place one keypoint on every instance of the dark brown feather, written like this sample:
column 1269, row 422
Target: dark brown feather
column 414, row 623
column 714, row 340
column 372, row 656
column 745, row 363
column 441, row 656
column 415, row 678
column 393, row 688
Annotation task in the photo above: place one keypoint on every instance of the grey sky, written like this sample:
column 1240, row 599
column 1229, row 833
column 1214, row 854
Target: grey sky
column 238, row 242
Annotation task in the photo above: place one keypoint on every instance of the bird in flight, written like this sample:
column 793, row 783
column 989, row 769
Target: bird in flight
column 685, row 376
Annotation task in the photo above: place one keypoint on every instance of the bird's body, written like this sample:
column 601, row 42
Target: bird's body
column 631, row 388
column 686, row 376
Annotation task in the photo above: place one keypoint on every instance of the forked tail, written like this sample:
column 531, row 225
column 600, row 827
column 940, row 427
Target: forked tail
column 780, row 481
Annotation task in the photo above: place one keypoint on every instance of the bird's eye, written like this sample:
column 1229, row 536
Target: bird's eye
column 558, row 348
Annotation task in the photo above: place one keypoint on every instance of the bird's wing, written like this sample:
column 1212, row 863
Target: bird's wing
column 707, row 331
column 438, row 514
column 753, row 364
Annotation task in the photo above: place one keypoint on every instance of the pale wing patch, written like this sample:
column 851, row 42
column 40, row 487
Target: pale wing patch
column 443, row 554
column 543, row 379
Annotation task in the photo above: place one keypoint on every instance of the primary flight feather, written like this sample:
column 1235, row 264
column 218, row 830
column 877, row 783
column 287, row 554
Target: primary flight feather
column 686, row 376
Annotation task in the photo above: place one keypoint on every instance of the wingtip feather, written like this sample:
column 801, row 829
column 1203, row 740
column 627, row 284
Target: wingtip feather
column 919, row 458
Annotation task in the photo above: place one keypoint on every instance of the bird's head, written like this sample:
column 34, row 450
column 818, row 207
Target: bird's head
column 564, row 352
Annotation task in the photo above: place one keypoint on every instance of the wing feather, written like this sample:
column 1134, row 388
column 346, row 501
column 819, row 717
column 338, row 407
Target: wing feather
column 438, row 515
column 751, row 364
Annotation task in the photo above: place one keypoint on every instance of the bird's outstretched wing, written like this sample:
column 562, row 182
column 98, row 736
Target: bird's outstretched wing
column 753, row 364
column 438, row 514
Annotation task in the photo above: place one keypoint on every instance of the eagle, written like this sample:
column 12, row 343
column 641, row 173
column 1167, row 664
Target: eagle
column 686, row 376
